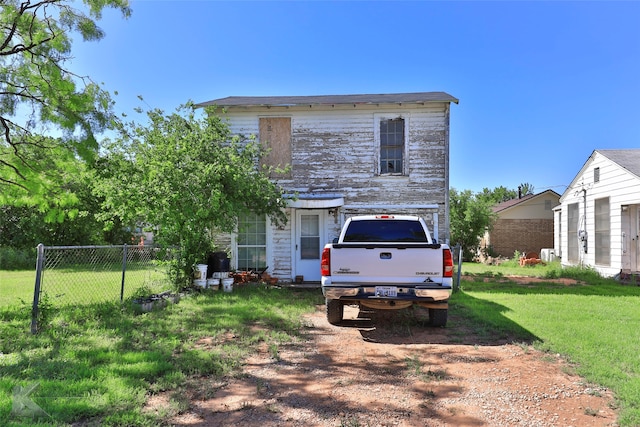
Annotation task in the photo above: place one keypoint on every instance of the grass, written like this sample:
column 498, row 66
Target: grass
column 593, row 323
column 16, row 286
column 80, row 285
column 98, row 363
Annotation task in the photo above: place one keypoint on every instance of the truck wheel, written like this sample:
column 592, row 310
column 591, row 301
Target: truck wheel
column 438, row 317
column 335, row 310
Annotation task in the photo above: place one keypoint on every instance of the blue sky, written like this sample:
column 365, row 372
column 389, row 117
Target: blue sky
column 541, row 84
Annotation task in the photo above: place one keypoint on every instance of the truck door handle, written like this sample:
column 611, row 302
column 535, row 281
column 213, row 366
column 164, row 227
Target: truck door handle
column 385, row 255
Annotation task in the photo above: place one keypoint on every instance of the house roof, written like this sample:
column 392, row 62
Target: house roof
column 628, row 159
column 328, row 100
column 514, row 202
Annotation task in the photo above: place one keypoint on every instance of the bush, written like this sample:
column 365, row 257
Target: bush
column 17, row 259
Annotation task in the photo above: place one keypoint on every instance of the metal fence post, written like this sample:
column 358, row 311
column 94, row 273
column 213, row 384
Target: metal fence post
column 36, row 290
column 124, row 269
column 458, row 249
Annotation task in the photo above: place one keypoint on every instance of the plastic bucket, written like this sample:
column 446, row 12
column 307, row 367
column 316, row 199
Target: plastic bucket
column 213, row 284
column 227, row 284
column 202, row 283
column 202, row 268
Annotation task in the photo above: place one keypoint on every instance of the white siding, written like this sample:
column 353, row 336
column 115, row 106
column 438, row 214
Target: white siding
column 616, row 183
column 334, row 151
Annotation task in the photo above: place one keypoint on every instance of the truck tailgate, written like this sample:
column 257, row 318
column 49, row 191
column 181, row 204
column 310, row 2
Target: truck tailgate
column 389, row 264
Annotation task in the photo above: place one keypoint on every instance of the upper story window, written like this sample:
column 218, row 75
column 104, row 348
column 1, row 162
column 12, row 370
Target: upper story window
column 392, row 146
column 275, row 135
column 596, row 175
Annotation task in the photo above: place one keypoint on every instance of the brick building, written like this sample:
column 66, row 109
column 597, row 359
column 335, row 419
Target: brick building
column 524, row 225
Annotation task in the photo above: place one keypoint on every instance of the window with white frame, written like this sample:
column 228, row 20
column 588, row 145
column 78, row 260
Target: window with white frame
column 252, row 242
column 391, row 140
column 603, row 232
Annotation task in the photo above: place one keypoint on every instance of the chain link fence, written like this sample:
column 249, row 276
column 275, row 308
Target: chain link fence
column 79, row 275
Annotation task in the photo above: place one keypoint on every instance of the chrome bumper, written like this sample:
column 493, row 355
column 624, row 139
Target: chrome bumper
column 404, row 293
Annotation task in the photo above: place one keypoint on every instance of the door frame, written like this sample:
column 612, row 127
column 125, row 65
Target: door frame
column 298, row 268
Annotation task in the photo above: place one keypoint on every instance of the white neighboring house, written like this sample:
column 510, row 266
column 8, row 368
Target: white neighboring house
column 598, row 221
column 349, row 155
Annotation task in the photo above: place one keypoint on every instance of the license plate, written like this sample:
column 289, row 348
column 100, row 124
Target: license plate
column 386, row 291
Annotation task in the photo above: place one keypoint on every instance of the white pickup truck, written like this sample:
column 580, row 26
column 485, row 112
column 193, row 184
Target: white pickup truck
column 386, row 262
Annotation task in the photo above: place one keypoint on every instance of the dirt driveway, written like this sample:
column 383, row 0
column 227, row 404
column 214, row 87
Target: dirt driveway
column 392, row 370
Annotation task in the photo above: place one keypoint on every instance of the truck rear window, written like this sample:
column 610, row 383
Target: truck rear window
column 385, row 231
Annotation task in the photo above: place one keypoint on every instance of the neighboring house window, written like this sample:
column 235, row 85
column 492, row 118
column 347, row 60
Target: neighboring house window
column 572, row 232
column 392, row 143
column 252, row 242
column 596, row 175
column 559, row 234
column 603, row 232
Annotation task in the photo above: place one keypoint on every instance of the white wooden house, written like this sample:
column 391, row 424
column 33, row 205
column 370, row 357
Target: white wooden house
column 598, row 221
column 349, row 154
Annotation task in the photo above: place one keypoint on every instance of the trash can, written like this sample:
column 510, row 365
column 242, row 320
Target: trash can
column 218, row 262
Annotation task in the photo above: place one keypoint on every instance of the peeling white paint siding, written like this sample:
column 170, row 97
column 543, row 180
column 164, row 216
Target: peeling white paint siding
column 279, row 257
column 334, row 150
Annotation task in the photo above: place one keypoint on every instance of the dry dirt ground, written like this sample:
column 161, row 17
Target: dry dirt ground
column 392, row 369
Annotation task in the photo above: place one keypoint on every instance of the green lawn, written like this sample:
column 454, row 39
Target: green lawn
column 16, row 286
column 594, row 323
column 79, row 285
column 97, row 363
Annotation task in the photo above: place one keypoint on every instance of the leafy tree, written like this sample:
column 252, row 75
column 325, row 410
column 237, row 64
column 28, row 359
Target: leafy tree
column 497, row 195
column 23, row 226
column 526, row 188
column 470, row 216
column 40, row 96
column 187, row 176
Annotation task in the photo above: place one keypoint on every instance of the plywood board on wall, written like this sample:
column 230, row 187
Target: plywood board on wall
column 275, row 134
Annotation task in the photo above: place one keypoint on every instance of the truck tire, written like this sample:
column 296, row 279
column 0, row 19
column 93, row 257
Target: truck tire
column 335, row 310
column 438, row 317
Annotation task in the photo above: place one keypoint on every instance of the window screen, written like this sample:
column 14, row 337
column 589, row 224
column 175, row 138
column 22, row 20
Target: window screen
column 603, row 232
column 572, row 232
column 391, row 146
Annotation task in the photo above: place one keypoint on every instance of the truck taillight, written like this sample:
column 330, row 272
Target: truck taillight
column 325, row 264
column 447, row 263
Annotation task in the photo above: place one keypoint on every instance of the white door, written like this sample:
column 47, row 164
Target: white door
column 310, row 239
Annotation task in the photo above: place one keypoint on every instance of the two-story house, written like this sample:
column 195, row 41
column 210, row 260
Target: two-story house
column 348, row 155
